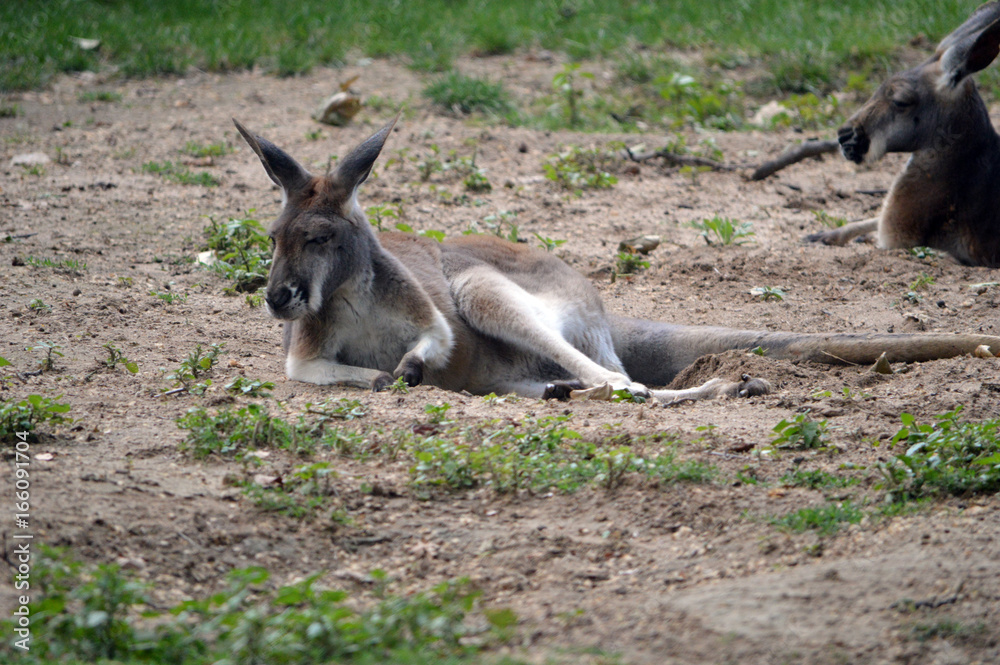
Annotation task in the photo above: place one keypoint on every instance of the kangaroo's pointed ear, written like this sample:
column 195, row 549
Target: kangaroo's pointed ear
column 354, row 168
column 280, row 166
column 972, row 46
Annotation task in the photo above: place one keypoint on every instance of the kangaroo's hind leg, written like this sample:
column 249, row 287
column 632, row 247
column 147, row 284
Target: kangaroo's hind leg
column 539, row 324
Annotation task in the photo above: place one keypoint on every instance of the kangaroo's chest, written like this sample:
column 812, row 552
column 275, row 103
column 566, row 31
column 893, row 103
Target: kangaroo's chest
column 368, row 336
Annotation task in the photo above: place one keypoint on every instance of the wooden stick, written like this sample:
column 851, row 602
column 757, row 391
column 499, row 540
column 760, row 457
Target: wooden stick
column 794, row 155
column 678, row 160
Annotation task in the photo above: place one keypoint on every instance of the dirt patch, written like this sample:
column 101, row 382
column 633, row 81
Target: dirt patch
column 658, row 573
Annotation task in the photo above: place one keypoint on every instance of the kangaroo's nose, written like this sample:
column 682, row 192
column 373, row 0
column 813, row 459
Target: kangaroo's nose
column 854, row 142
column 279, row 298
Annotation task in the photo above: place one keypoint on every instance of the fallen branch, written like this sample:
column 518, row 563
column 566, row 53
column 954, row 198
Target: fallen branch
column 674, row 159
column 793, row 156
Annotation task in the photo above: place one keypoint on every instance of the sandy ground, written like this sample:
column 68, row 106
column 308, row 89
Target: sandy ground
column 683, row 573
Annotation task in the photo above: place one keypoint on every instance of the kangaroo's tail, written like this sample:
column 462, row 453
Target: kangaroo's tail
column 654, row 353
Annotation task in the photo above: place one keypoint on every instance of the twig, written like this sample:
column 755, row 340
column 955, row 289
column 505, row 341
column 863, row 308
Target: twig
column 794, row 155
column 846, row 362
column 185, row 537
column 678, row 160
column 174, row 391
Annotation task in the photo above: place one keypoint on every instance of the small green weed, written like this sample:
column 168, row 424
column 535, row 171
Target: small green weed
column 243, row 252
column 233, row 433
column 501, row 225
column 829, row 220
column 923, row 253
column 72, row 266
column 181, row 174
column 766, row 293
column 627, row 263
column 825, row 520
column 577, row 169
column 801, row 433
column 537, row 456
column 39, row 306
column 817, row 480
column 949, row 456
column 196, row 365
column 566, row 85
column 462, row 94
column 117, row 357
column 10, row 110
column 378, row 215
column 169, row 297
column 548, row 244
column 921, row 282
column 202, row 150
column 88, row 96
column 52, row 351
column 298, row 495
column 87, row 613
column 249, row 387
column 723, row 231
column 19, row 419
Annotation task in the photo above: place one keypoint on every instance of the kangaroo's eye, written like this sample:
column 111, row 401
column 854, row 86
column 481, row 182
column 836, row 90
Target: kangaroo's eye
column 901, row 104
column 318, row 240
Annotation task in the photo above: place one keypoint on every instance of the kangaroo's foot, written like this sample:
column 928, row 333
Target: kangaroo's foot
column 561, row 389
column 747, row 386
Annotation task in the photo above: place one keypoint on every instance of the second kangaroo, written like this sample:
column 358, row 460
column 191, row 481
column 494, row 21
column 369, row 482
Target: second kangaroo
column 481, row 314
column 948, row 196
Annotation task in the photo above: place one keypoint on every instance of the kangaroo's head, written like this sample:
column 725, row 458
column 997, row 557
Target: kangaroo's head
column 930, row 105
column 322, row 240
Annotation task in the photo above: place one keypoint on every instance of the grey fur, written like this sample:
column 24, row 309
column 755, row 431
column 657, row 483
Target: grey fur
column 481, row 314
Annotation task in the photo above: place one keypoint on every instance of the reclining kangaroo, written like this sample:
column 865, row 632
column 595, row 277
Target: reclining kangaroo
column 948, row 195
column 481, row 314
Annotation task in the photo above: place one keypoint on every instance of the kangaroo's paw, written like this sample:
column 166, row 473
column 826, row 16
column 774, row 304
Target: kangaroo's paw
column 561, row 389
column 826, row 237
column 411, row 369
column 751, row 387
column 382, row 381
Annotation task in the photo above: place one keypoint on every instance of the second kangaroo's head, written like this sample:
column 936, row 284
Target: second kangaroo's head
column 932, row 106
column 321, row 240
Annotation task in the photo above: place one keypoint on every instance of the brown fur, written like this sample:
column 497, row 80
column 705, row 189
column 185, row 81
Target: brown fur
column 484, row 315
column 948, row 195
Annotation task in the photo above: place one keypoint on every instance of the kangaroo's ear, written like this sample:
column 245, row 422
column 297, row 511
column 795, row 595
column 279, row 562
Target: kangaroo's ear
column 354, row 168
column 280, row 166
column 972, row 46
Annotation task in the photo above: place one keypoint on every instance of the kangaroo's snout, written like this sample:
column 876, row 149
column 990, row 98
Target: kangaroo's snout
column 854, row 143
column 278, row 298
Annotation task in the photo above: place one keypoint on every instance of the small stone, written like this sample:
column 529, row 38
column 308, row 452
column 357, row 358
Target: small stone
column 882, row 365
column 30, row 159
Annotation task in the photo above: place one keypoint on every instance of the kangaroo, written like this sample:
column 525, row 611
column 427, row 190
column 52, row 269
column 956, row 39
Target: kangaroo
column 948, row 195
column 485, row 315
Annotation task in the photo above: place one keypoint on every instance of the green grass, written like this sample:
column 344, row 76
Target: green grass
column 19, row 419
column 805, row 47
column 724, row 231
column 825, row 520
column 242, row 252
column 100, row 613
column 181, row 174
column 99, row 96
column 950, row 456
column 538, row 456
column 466, row 94
column 576, row 168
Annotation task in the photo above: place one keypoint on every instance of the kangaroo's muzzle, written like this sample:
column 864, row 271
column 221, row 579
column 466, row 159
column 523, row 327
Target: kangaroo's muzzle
column 854, row 143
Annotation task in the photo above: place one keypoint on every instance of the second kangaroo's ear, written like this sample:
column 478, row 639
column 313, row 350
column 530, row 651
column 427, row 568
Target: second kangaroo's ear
column 280, row 166
column 354, row 168
column 972, row 46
